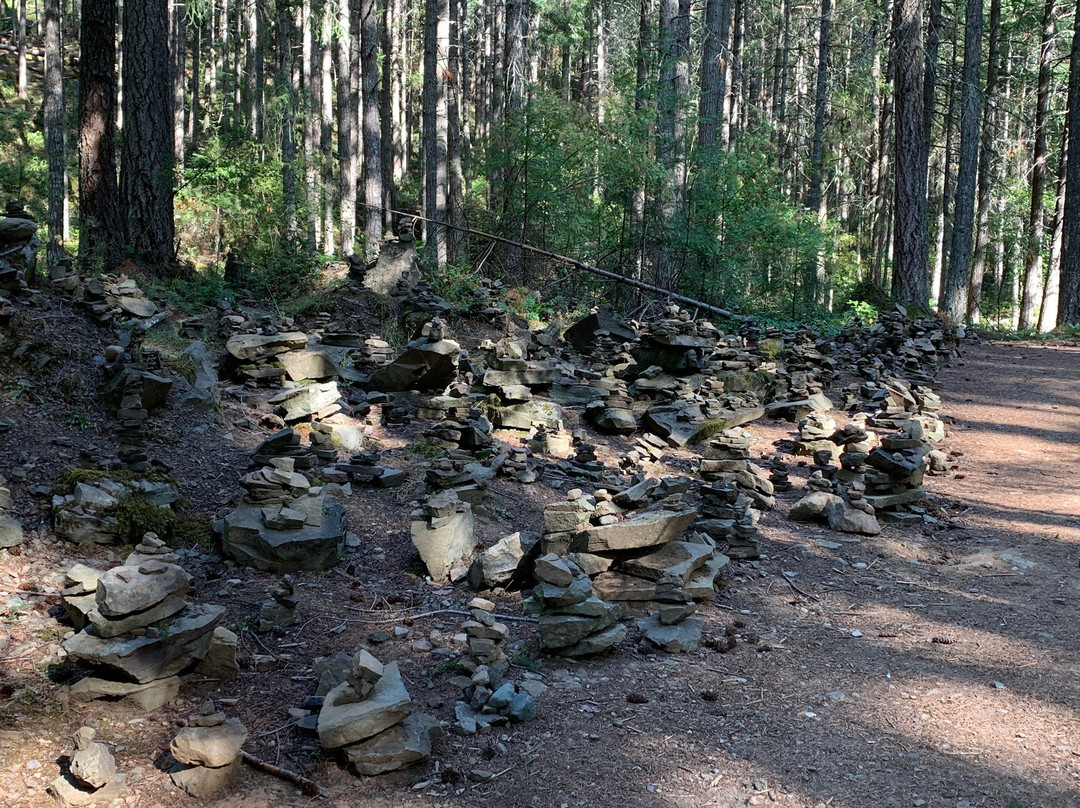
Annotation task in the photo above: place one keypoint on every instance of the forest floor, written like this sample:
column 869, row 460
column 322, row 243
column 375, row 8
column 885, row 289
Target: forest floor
column 936, row 665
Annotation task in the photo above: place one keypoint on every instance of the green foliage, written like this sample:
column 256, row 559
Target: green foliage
column 428, row 448
column 138, row 514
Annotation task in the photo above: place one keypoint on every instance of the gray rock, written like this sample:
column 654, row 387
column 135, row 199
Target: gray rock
column 387, row 705
column 423, row 366
column 499, row 564
column 220, row 660
column 68, row 792
column 444, row 542
column 676, row 558
column 252, row 347
column 11, row 532
column 584, row 332
column 124, row 590
column 595, row 643
column 397, row 262
column 647, row 530
column 203, row 782
column 846, row 519
column 205, row 394
column 394, row 748
column 812, row 506
column 304, row 403
column 315, row 547
column 522, row 708
column 675, row 639
column 92, row 764
column 209, row 746
column 564, row 630
column 148, row 696
column 115, row 626
column 302, row 365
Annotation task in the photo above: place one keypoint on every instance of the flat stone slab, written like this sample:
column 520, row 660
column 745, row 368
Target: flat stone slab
column 394, row 748
column 647, row 530
column 247, row 539
column 677, row 558
column 387, row 704
column 251, row 347
column 679, row 638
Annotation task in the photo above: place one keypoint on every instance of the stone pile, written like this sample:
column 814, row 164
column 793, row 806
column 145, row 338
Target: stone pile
column 443, row 532
column 557, row 442
column 419, row 303
column 107, row 298
column 283, row 523
column 573, row 621
column 133, row 389
column 486, row 302
column 856, row 516
column 727, row 460
column 19, row 245
column 626, row 556
column 207, row 752
column 89, row 514
column 506, row 562
column 675, row 342
column 470, row 433
column 140, row 630
column 600, row 334
column 307, row 402
column 364, row 468
column 672, row 627
column 516, row 462
column 584, row 465
column 897, row 468
column 487, row 697
column 11, row 532
column 91, row 775
column 461, row 473
column 726, row 515
column 429, row 362
column 279, row 610
column 612, row 414
column 252, row 357
column 370, row 718
column 802, row 396
column 779, row 474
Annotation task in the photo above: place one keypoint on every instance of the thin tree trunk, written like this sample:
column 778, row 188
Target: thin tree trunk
column 372, row 129
column 20, row 44
column 909, row 285
column 815, row 198
column 954, row 304
column 1069, row 304
column 193, row 133
column 1048, row 313
column 988, row 165
column 287, row 98
column 434, row 128
column 55, row 145
column 178, row 54
column 1033, row 268
column 346, row 118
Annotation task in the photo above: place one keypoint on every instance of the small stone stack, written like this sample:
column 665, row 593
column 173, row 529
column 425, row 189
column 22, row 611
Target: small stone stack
column 91, row 775
column 252, row 357
column 898, row 466
column 517, row 462
column 672, row 628
column 486, row 302
column 429, row 362
column 551, row 443
column 488, row 697
column 131, row 434
column 369, row 716
column 779, row 474
column 461, row 473
column 207, row 752
column 612, row 414
column 279, row 610
column 363, row 468
column 323, row 450
column 584, row 465
column 471, row 433
column 141, row 629
column 815, row 432
column 573, row 621
column 725, row 515
column 11, row 532
column 443, row 531
column 283, row 523
column 727, row 459
column 855, row 444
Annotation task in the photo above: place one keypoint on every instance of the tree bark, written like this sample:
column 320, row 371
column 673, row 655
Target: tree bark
column 20, row 45
column 1048, row 313
column 146, row 164
column 100, row 235
column 55, row 141
column 346, row 119
column 372, row 128
column 988, row 164
column 713, row 74
column 815, row 198
column 178, row 54
column 1033, row 267
column 909, row 283
column 287, row 99
column 1069, row 302
column 434, row 128
column 326, row 128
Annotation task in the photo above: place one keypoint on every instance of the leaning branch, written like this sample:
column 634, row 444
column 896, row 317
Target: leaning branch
column 603, row 273
column 308, row 786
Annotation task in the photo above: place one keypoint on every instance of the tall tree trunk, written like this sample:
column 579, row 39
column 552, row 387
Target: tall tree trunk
column 909, row 284
column 20, row 46
column 1048, row 313
column 310, row 60
column 674, row 33
column 783, row 60
column 287, row 99
column 146, row 163
column 988, row 164
column 326, row 127
column 193, row 134
column 1033, row 268
column 713, row 74
column 100, row 232
column 1069, row 302
column 346, row 118
column 372, row 128
column 954, row 304
column 436, row 36
column 815, row 199
column 55, row 145
column 178, row 55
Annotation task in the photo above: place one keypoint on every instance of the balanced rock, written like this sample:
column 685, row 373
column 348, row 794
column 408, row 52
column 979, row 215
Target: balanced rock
column 394, row 748
column 344, row 720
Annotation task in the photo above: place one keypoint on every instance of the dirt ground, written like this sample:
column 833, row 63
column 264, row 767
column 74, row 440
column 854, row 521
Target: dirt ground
column 935, row 665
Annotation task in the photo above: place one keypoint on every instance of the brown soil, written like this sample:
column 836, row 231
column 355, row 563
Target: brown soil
column 917, row 668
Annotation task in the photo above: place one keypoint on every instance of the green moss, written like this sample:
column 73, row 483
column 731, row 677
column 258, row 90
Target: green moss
column 138, row 514
column 66, row 482
column 426, row 448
